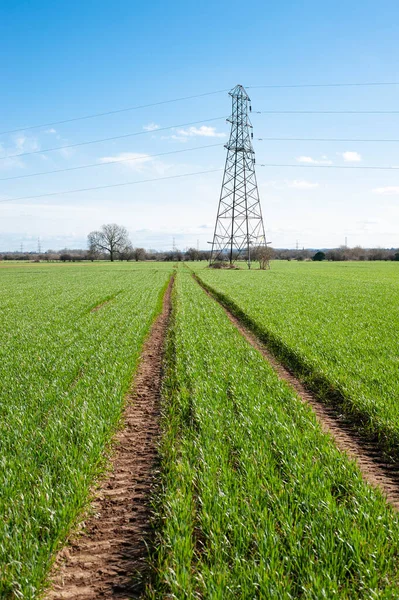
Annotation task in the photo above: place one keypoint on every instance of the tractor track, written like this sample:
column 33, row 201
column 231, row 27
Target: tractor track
column 367, row 454
column 110, row 559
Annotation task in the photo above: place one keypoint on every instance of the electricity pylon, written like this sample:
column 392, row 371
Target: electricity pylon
column 239, row 225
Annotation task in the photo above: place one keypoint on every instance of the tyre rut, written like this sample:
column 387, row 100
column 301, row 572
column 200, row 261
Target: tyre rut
column 367, row 454
column 109, row 560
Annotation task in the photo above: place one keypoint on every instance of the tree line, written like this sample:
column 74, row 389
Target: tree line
column 338, row 254
column 111, row 242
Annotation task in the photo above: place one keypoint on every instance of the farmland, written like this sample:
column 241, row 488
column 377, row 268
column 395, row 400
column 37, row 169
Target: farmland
column 335, row 325
column 70, row 341
column 253, row 499
column 257, row 501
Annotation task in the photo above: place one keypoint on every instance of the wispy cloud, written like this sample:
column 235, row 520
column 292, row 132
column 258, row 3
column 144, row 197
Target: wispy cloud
column 8, row 163
column 203, row 131
column 300, row 184
column 20, row 143
column 151, row 127
column 314, row 161
column 135, row 161
column 138, row 162
column 51, row 130
column 351, row 156
column 177, row 138
column 390, row 190
column 66, row 152
column 23, row 143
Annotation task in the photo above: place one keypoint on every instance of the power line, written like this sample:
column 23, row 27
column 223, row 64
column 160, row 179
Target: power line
column 113, row 185
column 372, row 168
column 108, row 162
column 111, row 162
column 127, row 135
column 116, row 137
column 183, row 98
column 111, row 112
column 295, row 139
column 325, row 112
column 323, row 85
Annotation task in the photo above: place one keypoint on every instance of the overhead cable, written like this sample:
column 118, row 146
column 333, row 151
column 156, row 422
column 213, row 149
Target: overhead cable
column 325, row 112
column 110, row 112
column 323, row 85
column 113, row 185
column 371, row 168
column 142, row 157
column 183, row 98
column 108, row 139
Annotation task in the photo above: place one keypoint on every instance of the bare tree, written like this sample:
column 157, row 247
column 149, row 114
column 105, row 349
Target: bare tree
column 92, row 254
column 139, row 254
column 126, row 253
column 111, row 238
column 263, row 254
column 192, row 254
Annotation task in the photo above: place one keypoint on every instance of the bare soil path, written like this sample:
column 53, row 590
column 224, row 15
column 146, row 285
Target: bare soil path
column 110, row 559
column 375, row 470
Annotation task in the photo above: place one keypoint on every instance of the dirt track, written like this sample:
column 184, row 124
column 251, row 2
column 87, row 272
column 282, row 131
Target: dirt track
column 366, row 453
column 110, row 559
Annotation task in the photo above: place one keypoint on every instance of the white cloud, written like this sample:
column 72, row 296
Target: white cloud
column 351, row 156
column 134, row 160
column 151, row 127
column 9, row 162
column 203, row 131
column 314, row 161
column 24, row 143
column 66, row 152
column 389, row 190
column 51, row 130
column 138, row 162
column 299, row 184
column 178, row 138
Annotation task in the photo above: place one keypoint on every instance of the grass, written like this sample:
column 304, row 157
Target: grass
column 336, row 325
column 64, row 373
column 255, row 501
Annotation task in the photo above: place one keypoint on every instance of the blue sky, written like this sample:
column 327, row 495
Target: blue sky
column 68, row 59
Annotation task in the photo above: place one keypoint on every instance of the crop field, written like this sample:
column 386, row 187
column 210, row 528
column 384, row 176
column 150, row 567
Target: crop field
column 336, row 325
column 253, row 499
column 257, row 501
column 70, row 340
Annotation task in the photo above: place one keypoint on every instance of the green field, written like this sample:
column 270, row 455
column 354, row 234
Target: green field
column 335, row 324
column 254, row 500
column 257, row 502
column 64, row 371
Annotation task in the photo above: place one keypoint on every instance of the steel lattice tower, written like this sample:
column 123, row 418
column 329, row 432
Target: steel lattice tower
column 239, row 224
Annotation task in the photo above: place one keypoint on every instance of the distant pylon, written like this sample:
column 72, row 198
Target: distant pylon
column 239, row 226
